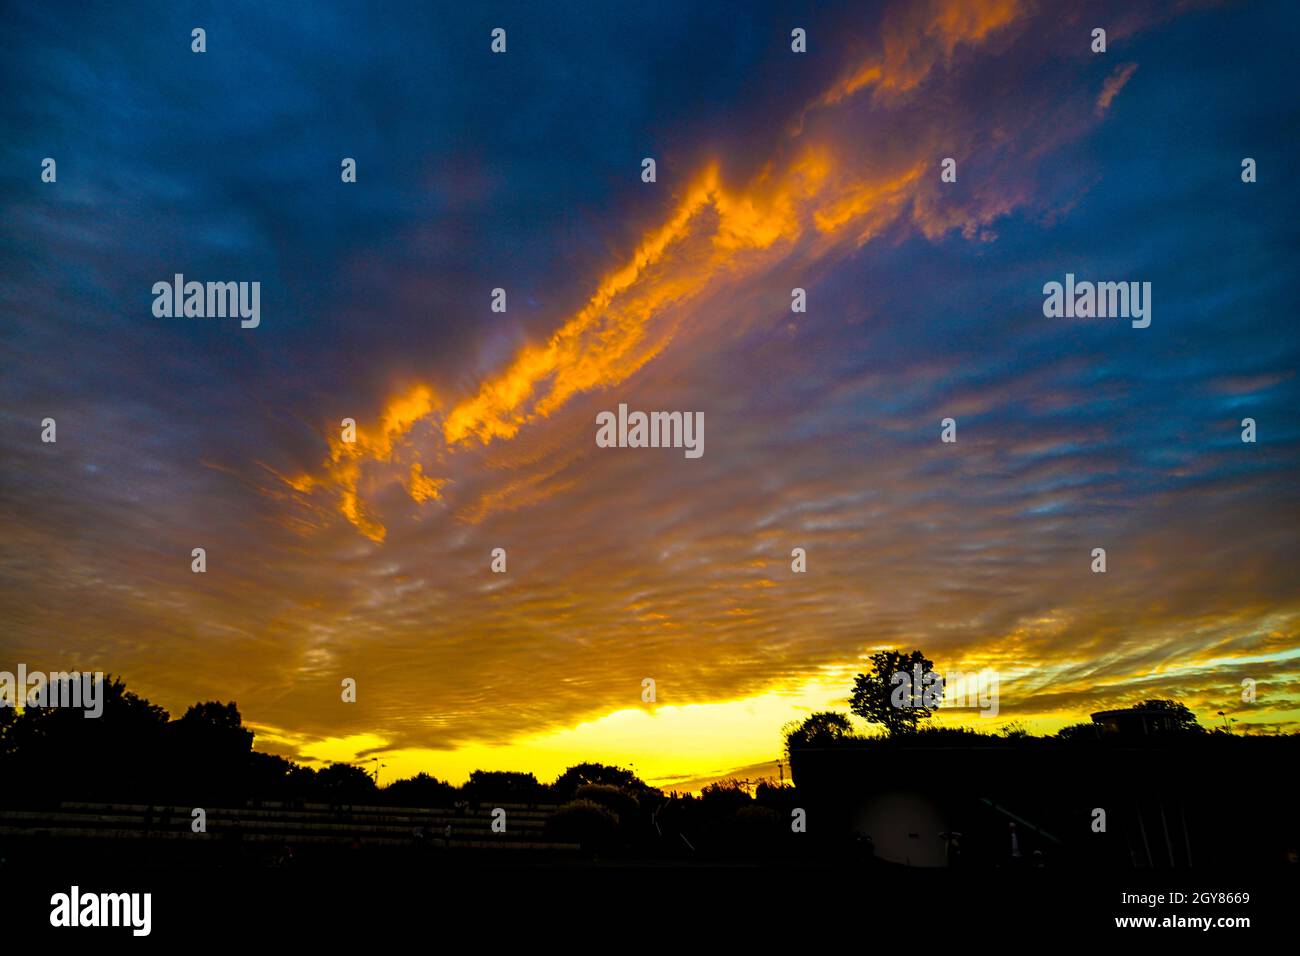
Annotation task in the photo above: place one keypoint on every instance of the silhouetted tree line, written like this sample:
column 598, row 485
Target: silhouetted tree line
column 136, row 753
column 875, row 696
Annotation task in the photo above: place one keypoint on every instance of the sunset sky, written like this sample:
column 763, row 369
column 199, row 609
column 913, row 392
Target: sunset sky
column 476, row 430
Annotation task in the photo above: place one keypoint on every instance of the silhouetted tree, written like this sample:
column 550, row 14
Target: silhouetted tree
column 210, row 754
column 882, row 696
column 272, row 777
column 504, row 786
column 344, row 783
column 1181, row 718
column 822, row 729
column 421, row 790
column 567, row 783
column 60, row 754
column 216, row 728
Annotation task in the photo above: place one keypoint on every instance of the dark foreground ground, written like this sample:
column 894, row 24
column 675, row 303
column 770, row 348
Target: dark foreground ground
column 645, row 908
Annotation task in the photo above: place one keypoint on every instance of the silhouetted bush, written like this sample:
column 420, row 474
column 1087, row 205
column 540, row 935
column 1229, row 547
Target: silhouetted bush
column 622, row 805
column 728, row 793
column 584, row 822
column 1076, row 733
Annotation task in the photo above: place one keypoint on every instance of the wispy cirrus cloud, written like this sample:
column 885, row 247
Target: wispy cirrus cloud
column 813, row 202
column 1114, row 83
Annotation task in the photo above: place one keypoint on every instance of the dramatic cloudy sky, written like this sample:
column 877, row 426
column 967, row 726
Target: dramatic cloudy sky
column 477, row 429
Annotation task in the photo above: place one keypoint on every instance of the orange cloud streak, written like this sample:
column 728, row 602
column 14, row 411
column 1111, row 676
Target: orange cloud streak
column 713, row 230
column 917, row 39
